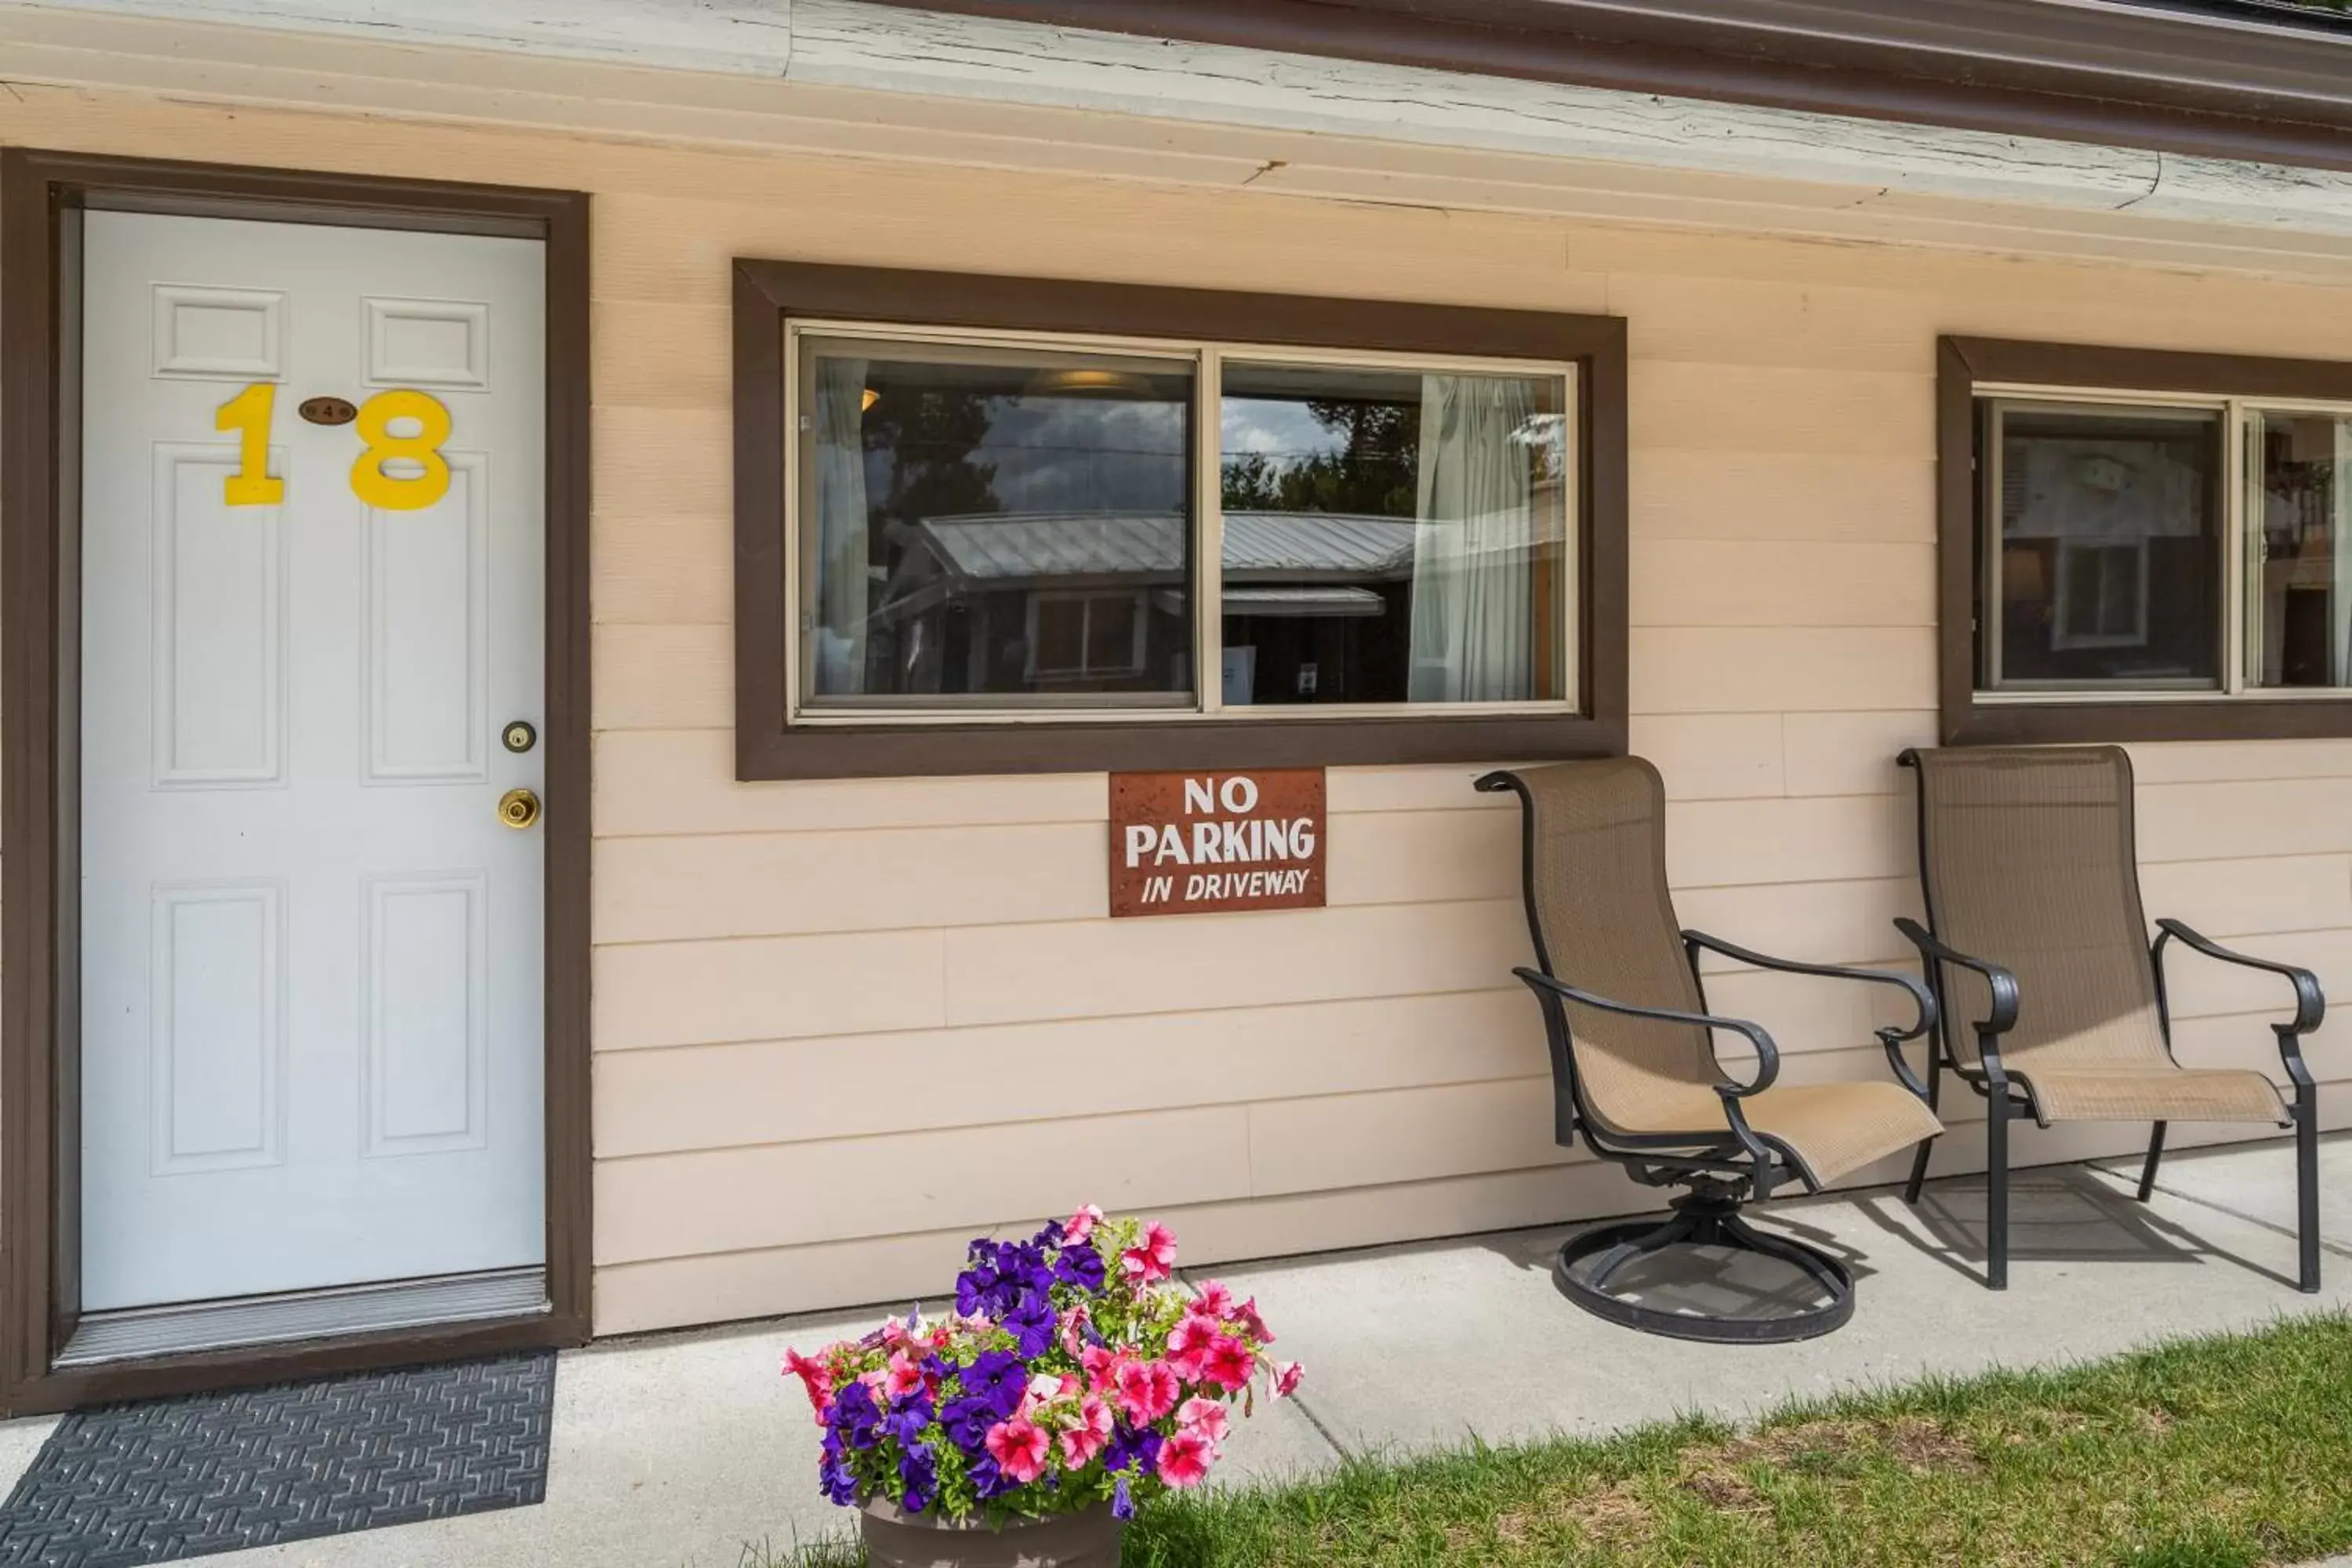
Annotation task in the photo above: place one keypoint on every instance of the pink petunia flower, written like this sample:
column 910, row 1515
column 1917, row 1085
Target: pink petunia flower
column 1081, row 1224
column 904, row 1375
column 814, row 1378
column 1020, row 1448
column 1188, row 1345
column 1185, row 1459
column 1146, row 1391
column 1206, row 1417
column 1074, row 1321
column 1287, row 1375
column 1251, row 1324
column 1153, row 1259
column 1090, row 1429
column 1216, row 1300
column 1102, row 1366
column 1228, row 1364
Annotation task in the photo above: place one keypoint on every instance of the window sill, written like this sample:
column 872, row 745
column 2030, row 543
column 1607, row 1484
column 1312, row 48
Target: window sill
column 1991, row 720
column 1064, row 746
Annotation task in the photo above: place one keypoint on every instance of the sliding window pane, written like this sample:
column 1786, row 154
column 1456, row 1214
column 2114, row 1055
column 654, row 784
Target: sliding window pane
column 2299, row 550
column 2106, row 569
column 1391, row 536
column 991, row 527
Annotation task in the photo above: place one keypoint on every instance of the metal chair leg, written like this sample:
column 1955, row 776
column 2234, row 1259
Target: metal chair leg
column 1997, row 1113
column 2306, row 1185
column 2155, row 1154
column 1919, row 1160
column 1918, row 1172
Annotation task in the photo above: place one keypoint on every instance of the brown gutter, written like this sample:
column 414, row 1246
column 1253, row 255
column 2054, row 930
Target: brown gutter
column 2085, row 70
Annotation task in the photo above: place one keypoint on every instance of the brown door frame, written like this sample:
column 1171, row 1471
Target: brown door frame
column 42, row 195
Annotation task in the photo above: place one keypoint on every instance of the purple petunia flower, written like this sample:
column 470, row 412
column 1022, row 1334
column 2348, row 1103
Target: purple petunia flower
column 905, row 1423
column 1122, row 1503
column 967, row 1421
column 978, row 1287
column 999, row 1377
column 1082, row 1266
column 919, row 1476
column 1051, row 1236
column 1131, row 1448
column 987, row 1479
column 1032, row 1324
column 1021, row 1266
column 833, row 1477
column 854, row 1415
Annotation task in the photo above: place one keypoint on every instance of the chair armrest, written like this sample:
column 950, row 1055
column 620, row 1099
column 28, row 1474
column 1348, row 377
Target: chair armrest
column 1889, row 1039
column 1768, row 1056
column 2310, row 1002
column 2001, row 982
column 1903, row 982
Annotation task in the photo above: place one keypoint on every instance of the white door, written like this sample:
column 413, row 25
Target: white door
column 310, row 959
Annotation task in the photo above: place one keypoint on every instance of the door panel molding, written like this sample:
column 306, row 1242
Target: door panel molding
column 42, row 195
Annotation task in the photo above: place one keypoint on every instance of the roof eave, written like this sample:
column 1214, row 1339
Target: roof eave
column 2194, row 79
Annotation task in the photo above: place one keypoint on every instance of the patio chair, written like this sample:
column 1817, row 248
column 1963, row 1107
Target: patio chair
column 2035, row 930
column 1634, row 1068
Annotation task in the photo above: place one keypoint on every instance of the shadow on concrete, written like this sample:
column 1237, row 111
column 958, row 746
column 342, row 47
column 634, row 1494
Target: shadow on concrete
column 2062, row 1213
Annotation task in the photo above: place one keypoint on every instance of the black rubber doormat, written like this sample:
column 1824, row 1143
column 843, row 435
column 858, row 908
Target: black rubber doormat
column 182, row 1477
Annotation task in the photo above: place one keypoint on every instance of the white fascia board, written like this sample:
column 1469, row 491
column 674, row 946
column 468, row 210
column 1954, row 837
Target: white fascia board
column 842, row 76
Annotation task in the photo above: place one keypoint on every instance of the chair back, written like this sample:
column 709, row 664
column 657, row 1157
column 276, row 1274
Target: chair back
column 1603, row 921
column 2026, row 859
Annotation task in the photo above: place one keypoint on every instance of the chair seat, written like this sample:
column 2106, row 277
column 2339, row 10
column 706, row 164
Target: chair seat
column 2151, row 1094
column 1833, row 1128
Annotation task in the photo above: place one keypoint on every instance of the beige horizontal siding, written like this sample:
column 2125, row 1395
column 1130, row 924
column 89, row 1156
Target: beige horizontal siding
column 682, row 781
column 1715, row 756
column 756, row 988
column 1761, row 669
column 1683, row 492
column 1761, row 583
column 679, row 889
column 1004, row 973
column 678, row 572
column 766, row 1091
column 840, row 1025
column 1747, row 409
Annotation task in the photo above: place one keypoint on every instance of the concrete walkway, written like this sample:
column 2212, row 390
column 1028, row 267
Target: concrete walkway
column 682, row 1448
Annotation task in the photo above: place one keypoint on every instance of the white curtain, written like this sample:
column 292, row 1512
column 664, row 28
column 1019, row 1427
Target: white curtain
column 842, row 550
column 1473, row 630
column 2340, row 602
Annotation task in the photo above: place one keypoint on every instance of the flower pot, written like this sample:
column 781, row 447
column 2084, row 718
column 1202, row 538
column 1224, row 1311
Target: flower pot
column 894, row 1539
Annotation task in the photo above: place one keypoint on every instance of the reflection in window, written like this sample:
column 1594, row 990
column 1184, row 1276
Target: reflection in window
column 2107, row 569
column 1392, row 537
column 996, row 523
column 2299, row 567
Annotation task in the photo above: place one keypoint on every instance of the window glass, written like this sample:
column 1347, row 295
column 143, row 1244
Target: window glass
column 2107, row 567
column 994, row 524
column 1393, row 536
column 2299, row 549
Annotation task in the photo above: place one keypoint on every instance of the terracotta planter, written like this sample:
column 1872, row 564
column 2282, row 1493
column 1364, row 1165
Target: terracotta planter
column 1088, row 1540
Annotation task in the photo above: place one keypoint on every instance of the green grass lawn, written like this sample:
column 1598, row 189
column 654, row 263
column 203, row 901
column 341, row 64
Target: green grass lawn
column 2217, row 1453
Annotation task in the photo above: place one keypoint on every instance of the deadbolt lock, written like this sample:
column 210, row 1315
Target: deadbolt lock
column 518, row 808
column 519, row 736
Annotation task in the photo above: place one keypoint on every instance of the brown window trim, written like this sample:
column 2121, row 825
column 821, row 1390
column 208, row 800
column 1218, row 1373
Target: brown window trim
column 767, row 746
column 1964, row 364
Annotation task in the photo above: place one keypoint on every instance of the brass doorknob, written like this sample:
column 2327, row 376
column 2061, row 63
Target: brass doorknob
column 518, row 808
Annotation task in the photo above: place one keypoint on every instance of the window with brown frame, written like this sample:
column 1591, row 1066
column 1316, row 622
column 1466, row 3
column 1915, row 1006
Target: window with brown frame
column 991, row 524
column 2142, row 545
